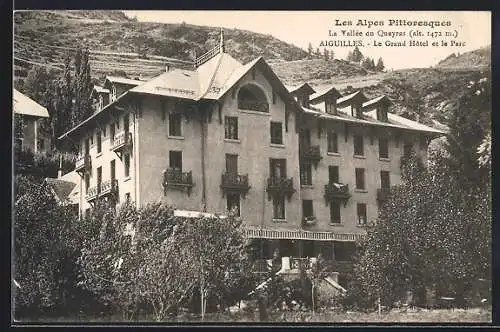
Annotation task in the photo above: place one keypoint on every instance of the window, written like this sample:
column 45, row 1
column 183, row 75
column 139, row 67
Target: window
column 358, row 146
column 233, row 203
column 91, row 139
column 87, row 183
column 278, row 168
column 127, row 197
column 251, row 97
column 276, row 133
column 104, row 130
column 126, row 119
column 232, row 163
column 382, row 114
column 385, row 180
column 87, row 146
column 112, row 173
column 87, row 212
column 335, row 213
column 99, row 179
column 383, row 148
column 333, row 174
column 126, row 164
column 332, row 142
column 361, row 214
column 175, row 160
column 99, row 142
column 112, row 131
column 279, row 208
column 113, row 93
column 305, row 174
column 19, row 144
column 174, row 124
column 307, row 208
column 305, row 138
column 360, row 178
column 231, row 127
column 101, row 102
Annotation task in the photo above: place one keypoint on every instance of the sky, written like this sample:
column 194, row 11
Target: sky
column 469, row 30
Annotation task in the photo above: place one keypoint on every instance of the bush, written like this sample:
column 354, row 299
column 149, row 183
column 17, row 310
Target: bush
column 42, row 165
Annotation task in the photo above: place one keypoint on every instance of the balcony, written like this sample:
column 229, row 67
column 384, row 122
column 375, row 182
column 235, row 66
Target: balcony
column 337, row 191
column 383, row 194
column 280, row 187
column 251, row 105
column 107, row 188
column 122, row 142
column 308, row 221
column 311, row 154
column 233, row 183
column 83, row 164
column 177, row 179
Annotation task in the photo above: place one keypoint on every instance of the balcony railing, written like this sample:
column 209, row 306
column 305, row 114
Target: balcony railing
column 122, row 141
column 337, row 191
column 311, row 153
column 83, row 163
column 106, row 188
column 252, row 105
column 233, row 183
column 280, row 187
column 176, row 178
column 383, row 194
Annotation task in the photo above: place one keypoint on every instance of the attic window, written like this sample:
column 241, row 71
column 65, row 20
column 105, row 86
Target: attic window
column 382, row 114
column 251, row 97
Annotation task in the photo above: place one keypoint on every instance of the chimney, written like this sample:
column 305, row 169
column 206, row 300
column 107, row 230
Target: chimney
column 59, row 171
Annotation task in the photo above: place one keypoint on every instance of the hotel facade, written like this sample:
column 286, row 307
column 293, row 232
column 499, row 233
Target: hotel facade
column 305, row 170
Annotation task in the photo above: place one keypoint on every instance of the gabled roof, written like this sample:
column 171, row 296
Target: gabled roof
column 319, row 97
column 382, row 100
column 65, row 189
column 174, row 83
column 304, row 88
column 23, row 104
column 357, row 95
column 123, row 80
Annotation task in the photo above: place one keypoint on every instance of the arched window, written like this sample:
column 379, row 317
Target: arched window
column 251, row 97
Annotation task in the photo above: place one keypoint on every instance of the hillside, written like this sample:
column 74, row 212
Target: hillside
column 477, row 58
column 44, row 36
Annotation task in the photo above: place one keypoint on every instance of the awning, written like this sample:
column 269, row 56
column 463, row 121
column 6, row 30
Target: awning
column 298, row 234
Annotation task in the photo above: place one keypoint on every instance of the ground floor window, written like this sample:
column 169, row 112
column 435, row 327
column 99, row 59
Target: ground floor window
column 233, row 203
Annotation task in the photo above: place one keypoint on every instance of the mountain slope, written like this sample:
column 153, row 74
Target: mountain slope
column 477, row 58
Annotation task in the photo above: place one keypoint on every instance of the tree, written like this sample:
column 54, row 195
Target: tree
column 44, row 251
column 349, row 56
column 325, row 54
column 318, row 53
column 310, row 49
column 367, row 63
column 82, row 87
column 380, row 65
column 332, row 55
column 423, row 235
column 357, row 56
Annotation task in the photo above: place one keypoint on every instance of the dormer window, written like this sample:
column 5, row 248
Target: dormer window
column 113, row 93
column 382, row 114
column 357, row 111
column 251, row 97
column 101, row 102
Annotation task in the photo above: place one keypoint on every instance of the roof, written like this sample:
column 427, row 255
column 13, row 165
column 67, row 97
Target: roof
column 318, row 97
column 212, row 80
column 23, row 104
column 123, row 80
column 375, row 101
column 355, row 95
column 370, row 118
column 305, row 88
column 100, row 89
column 65, row 189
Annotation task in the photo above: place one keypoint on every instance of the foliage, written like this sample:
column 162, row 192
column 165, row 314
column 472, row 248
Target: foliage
column 44, row 251
column 43, row 164
column 380, row 65
column 82, row 87
column 165, row 263
column 355, row 55
column 424, row 236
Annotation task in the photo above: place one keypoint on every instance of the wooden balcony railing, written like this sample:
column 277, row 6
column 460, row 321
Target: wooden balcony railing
column 176, row 178
column 311, row 153
column 103, row 189
column 234, row 183
column 122, row 141
column 83, row 163
column 252, row 105
column 337, row 191
column 280, row 187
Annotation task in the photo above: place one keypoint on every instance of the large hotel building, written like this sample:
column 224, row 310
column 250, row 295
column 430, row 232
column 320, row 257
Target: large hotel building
column 305, row 170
